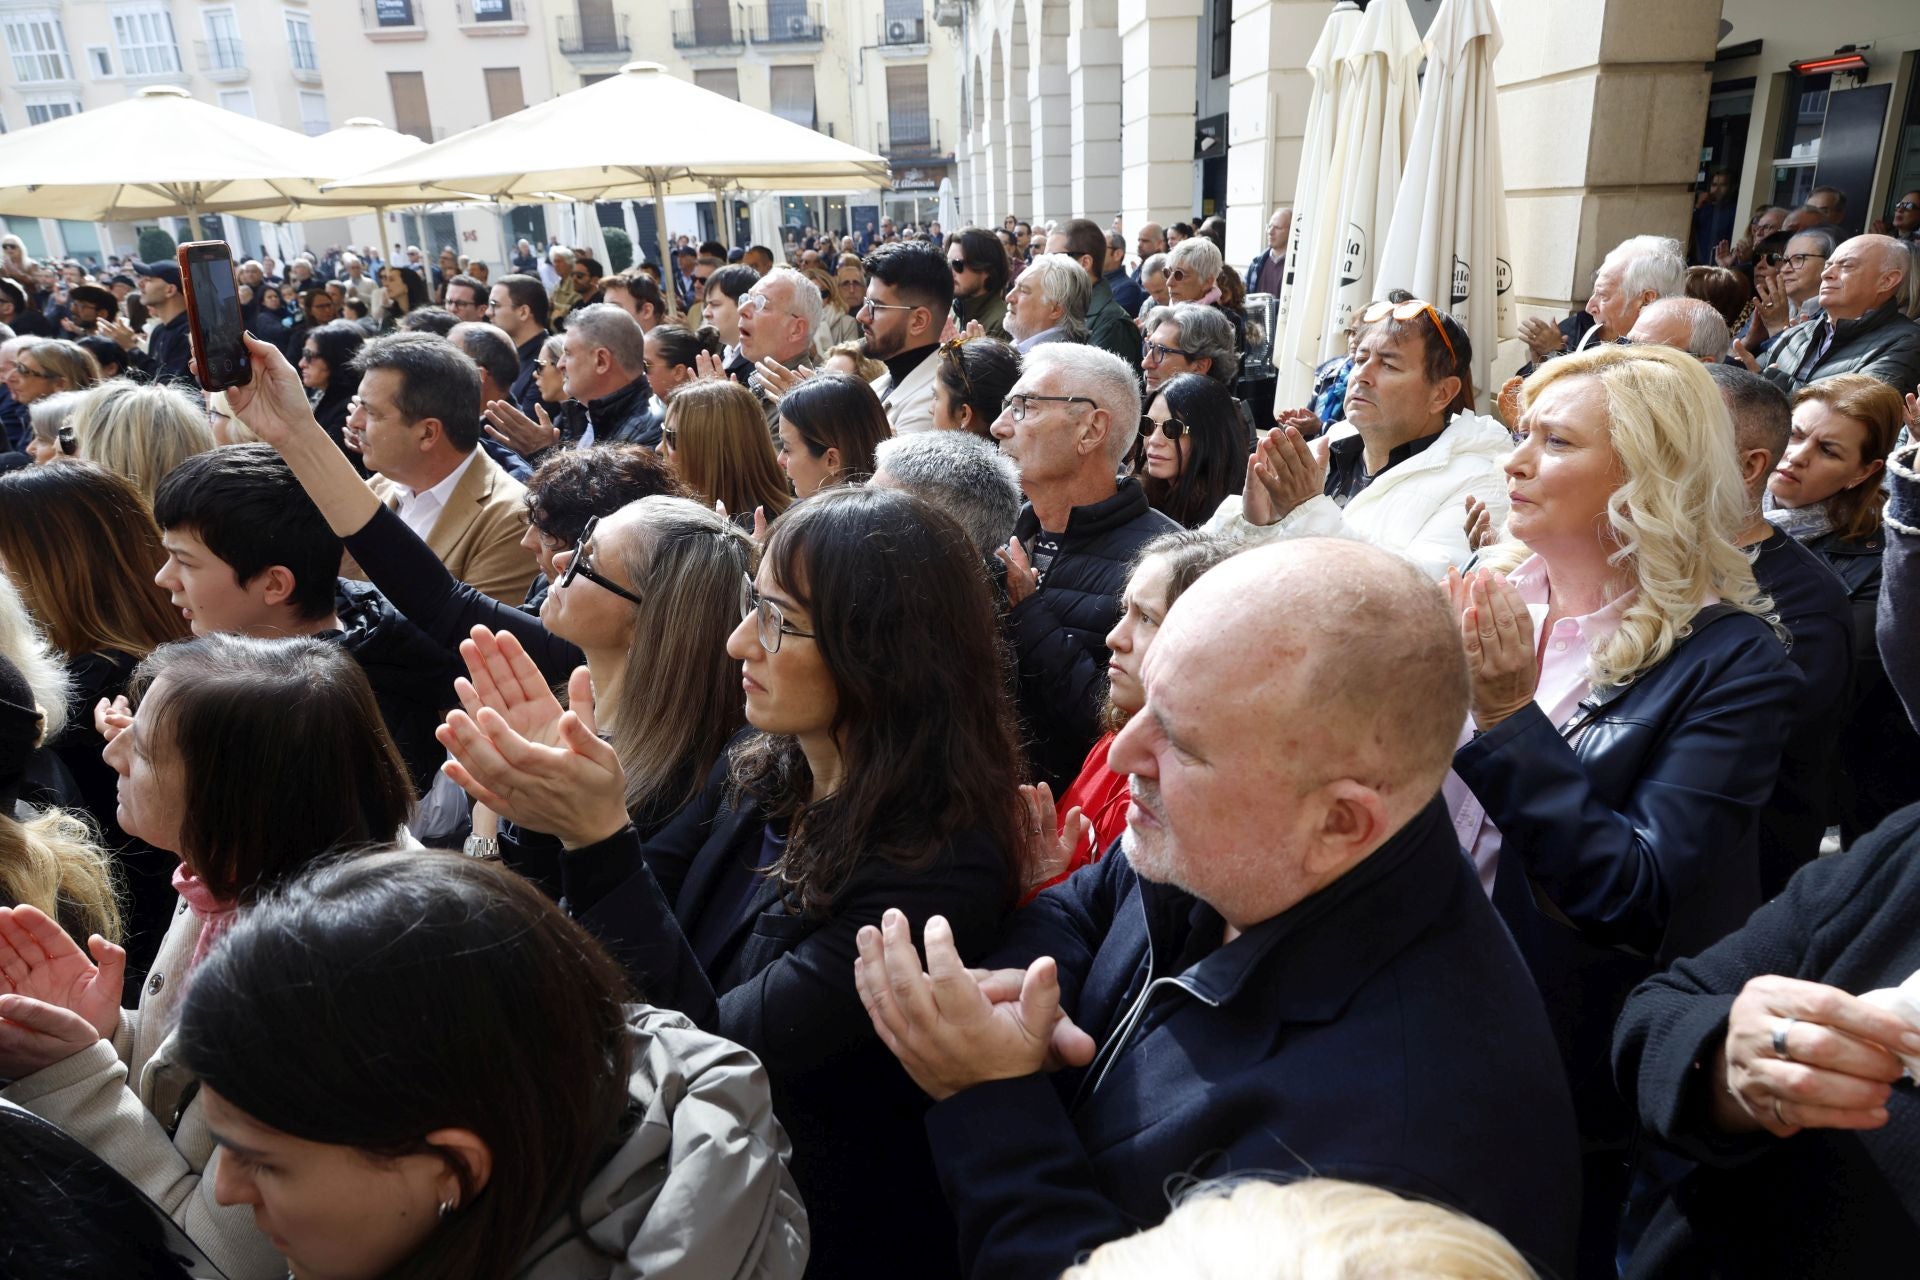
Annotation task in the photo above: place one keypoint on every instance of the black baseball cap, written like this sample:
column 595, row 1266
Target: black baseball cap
column 168, row 271
column 93, row 293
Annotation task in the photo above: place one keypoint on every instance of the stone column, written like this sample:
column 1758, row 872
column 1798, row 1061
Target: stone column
column 1602, row 107
column 1019, row 183
column 1159, row 82
column 1050, row 116
column 1268, row 89
column 1093, row 79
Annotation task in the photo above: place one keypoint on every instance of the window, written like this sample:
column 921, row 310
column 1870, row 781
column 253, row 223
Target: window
column 224, row 50
column 147, row 46
column 313, row 112
column 724, row 81
column 1222, row 34
column 409, row 90
column 793, row 94
column 908, row 122
column 99, row 62
column 41, row 112
column 239, row 101
column 504, row 95
column 905, row 22
column 300, row 43
column 394, row 13
column 1796, row 152
column 39, row 48
column 492, row 11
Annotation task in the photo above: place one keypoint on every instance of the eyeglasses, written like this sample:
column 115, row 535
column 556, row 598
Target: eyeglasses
column 769, row 622
column 1799, row 260
column 1017, row 404
column 26, row 372
column 1406, row 311
column 1156, row 352
column 544, row 363
column 670, row 437
column 309, row 355
column 1172, row 428
column 582, row 567
column 752, row 303
column 1771, row 259
column 871, row 305
column 701, row 280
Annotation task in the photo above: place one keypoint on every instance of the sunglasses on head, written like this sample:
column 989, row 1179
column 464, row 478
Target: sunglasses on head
column 1406, row 311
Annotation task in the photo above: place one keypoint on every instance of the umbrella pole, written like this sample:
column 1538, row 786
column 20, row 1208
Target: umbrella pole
column 722, row 215
column 660, row 234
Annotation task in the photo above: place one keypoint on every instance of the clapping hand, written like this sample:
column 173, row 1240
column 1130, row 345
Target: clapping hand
column 504, row 423
column 1770, row 302
column 1913, row 414
column 1479, row 524
column 1305, row 421
column 574, row 790
column 1498, row 632
column 1542, row 339
column 776, row 379
column 110, row 719
column 1022, row 578
column 952, row 1027
column 1836, row 1070
column 120, row 333
column 1049, row 853
column 708, row 366
column 1284, row 472
column 500, row 675
column 54, row 1000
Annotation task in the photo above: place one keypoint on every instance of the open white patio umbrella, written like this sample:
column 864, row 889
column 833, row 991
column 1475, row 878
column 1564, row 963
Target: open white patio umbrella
column 160, row 153
column 1377, row 105
column 1311, row 250
column 1448, row 240
column 641, row 134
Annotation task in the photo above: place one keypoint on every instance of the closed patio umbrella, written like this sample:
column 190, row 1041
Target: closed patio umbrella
column 1448, row 241
column 641, row 134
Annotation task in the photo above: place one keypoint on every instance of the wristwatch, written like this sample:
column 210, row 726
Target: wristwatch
column 486, row 848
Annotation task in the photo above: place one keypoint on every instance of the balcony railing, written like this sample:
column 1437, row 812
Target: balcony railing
column 895, row 29
column 910, row 134
column 306, row 59
column 787, row 24
column 710, row 28
column 221, row 59
column 589, row 36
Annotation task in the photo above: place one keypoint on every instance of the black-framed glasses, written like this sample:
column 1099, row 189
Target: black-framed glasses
column 582, row 566
column 1017, row 403
column 1156, row 352
column 769, row 623
column 701, row 280
column 1799, row 260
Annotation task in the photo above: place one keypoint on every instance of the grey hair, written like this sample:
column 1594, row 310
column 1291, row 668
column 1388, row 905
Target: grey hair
column 350, row 259
column 1651, row 262
column 1155, row 262
column 1062, row 281
column 1708, row 337
column 804, row 298
column 1202, row 257
column 49, row 414
column 559, row 251
column 22, row 643
column 1105, row 378
column 605, row 325
column 962, row 474
column 1204, row 331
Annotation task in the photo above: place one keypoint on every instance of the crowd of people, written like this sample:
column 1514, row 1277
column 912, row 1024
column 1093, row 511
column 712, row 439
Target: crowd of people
column 896, row 757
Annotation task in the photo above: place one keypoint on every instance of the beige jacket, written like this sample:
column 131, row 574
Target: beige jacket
column 116, row 1097
column 478, row 533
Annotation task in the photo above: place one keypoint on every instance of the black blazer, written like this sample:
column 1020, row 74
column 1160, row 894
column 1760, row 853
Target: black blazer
column 782, row 985
column 1632, row 838
column 1824, row 1202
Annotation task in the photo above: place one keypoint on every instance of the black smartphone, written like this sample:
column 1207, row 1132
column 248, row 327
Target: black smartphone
column 213, row 315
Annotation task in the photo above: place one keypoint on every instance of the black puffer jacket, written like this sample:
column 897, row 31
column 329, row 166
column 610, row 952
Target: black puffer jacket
column 625, row 417
column 411, row 675
column 1882, row 343
column 1059, row 632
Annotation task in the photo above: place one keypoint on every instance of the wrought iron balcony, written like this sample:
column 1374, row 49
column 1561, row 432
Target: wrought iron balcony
column 223, row 59
column 710, row 28
column 787, row 24
column 910, row 135
column 592, row 36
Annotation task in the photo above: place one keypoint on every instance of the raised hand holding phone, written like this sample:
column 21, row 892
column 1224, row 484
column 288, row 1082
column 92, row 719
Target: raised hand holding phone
column 218, row 334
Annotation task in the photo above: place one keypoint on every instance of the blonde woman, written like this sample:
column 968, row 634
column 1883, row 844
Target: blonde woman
column 852, row 357
column 837, row 324
column 1320, row 1227
column 49, row 366
column 141, row 432
column 716, row 438
column 1630, row 702
column 225, row 423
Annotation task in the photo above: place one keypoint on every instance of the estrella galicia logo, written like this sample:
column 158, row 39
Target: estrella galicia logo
column 1353, row 255
column 1462, row 281
column 1503, row 275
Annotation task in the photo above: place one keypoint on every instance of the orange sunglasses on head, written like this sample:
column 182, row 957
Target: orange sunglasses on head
column 1406, row 311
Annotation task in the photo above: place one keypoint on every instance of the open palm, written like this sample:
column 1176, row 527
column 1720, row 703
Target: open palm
column 39, row 960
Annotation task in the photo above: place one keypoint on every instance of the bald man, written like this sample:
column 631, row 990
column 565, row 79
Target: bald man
column 1284, row 966
column 1862, row 330
column 1685, row 324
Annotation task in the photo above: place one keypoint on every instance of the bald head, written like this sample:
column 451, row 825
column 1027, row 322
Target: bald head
column 1862, row 274
column 1691, row 325
column 1303, row 701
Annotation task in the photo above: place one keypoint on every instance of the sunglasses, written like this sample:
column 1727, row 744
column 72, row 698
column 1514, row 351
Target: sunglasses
column 701, row 280
column 581, row 566
column 769, row 622
column 1173, row 428
column 958, row 265
column 1406, row 311
column 1906, row 206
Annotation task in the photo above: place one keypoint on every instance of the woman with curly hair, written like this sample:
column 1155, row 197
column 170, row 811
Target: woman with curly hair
column 1630, row 702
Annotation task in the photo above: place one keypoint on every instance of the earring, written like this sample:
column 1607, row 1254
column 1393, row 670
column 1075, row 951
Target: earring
column 446, row 1207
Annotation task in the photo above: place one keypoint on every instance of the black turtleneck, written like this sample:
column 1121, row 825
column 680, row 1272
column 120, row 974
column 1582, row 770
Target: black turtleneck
column 907, row 361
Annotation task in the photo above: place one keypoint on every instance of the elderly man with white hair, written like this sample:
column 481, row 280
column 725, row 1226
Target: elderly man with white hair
column 1070, row 422
column 1638, row 271
column 1692, row 325
column 1863, row 330
column 1048, row 303
column 779, row 317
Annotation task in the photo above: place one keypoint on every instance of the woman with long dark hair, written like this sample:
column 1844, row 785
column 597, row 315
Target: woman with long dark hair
column 829, row 427
column 402, row 291
column 327, row 370
column 248, row 759
column 1191, row 455
column 644, row 1147
column 872, row 778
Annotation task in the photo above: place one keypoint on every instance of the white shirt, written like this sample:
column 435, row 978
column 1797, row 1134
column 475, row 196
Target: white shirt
column 420, row 510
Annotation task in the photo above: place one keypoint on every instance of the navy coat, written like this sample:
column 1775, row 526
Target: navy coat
column 1382, row 1030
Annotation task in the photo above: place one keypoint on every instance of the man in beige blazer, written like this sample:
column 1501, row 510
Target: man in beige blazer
column 421, row 402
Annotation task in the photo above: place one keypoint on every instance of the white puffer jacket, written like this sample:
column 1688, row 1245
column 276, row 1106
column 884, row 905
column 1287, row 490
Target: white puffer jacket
column 1416, row 507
